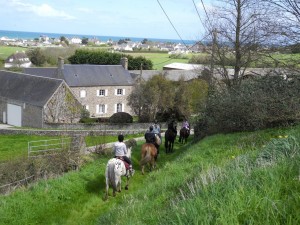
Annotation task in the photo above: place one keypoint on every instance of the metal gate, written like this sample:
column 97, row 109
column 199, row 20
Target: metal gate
column 48, row 147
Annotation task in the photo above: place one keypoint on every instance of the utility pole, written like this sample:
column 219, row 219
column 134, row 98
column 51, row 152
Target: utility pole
column 213, row 50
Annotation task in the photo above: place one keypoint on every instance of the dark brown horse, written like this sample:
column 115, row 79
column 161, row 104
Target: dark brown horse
column 148, row 156
column 184, row 134
column 170, row 136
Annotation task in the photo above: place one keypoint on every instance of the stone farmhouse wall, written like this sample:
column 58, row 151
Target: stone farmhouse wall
column 63, row 107
column 110, row 99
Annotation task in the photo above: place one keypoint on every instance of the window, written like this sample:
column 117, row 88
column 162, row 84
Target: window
column 119, row 91
column 86, row 107
column 82, row 94
column 119, row 107
column 102, row 92
column 101, row 109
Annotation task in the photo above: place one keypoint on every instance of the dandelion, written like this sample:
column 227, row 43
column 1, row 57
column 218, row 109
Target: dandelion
column 279, row 136
column 233, row 157
column 286, row 136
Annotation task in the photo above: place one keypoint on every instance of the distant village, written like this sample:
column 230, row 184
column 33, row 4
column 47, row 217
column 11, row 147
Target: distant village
column 121, row 45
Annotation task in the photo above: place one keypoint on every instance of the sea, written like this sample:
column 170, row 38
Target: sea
column 32, row 35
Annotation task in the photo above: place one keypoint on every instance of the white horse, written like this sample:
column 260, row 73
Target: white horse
column 115, row 169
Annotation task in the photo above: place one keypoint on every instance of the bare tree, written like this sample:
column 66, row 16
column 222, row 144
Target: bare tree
column 239, row 28
column 289, row 19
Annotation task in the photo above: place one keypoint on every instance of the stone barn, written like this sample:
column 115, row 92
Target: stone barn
column 32, row 101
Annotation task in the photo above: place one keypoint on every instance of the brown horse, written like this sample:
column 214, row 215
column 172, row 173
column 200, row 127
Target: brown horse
column 184, row 134
column 148, row 156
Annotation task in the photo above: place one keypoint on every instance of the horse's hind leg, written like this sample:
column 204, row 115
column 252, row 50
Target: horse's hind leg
column 127, row 183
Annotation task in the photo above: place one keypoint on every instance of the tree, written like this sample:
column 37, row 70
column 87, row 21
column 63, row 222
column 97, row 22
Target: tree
column 84, row 41
column 239, row 28
column 36, row 56
column 63, row 39
column 289, row 20
column 151, row 97
column 108, row 58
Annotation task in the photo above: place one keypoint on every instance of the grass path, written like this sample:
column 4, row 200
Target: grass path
column 76, row 197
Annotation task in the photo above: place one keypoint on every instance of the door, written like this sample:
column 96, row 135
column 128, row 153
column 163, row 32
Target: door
column 14, row 115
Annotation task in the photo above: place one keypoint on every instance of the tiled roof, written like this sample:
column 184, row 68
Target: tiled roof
column 27, row 88
column 85, row 75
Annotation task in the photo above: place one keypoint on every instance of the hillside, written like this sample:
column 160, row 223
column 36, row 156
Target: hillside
column 241, row 178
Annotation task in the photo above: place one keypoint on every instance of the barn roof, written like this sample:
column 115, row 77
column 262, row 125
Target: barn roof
column 26, row 88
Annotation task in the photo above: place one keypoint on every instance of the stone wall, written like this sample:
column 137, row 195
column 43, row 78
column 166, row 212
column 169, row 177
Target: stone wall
column 102, row 126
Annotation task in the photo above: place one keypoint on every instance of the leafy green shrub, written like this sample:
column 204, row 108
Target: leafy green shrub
column 88, row 120
column 83, row 56
column 255, row 104
column 121, row 117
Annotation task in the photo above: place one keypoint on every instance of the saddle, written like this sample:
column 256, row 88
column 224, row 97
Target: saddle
column 127, row 166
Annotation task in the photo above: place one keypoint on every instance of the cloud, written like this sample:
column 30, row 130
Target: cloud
column 85, row 10
column 43, row 10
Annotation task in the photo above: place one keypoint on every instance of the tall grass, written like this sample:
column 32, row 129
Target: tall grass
column 223, row 179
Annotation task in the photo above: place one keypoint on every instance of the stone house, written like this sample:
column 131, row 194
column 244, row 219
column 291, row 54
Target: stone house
column 101, row 89
column 19, row 59
column 32, row 101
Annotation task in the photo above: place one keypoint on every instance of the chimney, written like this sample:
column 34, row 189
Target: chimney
column 60, row 67
column 124, row 62
column 60, row 63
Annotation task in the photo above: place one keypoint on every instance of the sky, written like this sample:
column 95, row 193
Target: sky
column 121, row 18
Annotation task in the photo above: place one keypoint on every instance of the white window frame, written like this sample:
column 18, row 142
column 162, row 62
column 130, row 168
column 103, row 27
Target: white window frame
column 101, row 92
column 82, row 93
column 119, row 91
column 119, row 107
column 101, row 109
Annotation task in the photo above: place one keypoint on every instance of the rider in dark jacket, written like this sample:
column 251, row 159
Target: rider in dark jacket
column 150, row 138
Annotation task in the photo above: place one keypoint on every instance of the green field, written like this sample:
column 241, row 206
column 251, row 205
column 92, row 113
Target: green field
column 16, row 146
column 6, row 51
column 158, row 59
column 239, row 178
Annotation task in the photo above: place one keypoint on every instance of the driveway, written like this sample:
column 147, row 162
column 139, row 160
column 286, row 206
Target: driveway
column 5, row 126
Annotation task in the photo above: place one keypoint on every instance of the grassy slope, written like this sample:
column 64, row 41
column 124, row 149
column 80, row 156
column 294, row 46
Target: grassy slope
column 167, row 195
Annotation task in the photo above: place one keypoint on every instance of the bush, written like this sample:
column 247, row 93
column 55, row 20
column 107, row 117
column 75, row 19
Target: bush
column 121, row 117
column 255, row 104
column 88, row 120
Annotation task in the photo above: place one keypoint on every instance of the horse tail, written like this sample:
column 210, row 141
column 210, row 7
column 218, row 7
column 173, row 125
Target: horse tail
column 111, row 176
column 147, row 157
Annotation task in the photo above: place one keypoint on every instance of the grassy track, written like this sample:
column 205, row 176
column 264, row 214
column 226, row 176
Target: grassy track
column 223, row 179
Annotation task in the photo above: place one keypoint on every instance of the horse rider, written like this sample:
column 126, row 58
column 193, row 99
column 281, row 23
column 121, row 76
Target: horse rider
column 185, row 124
column 120, row 151
column 156, row 129
column 150, row 138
